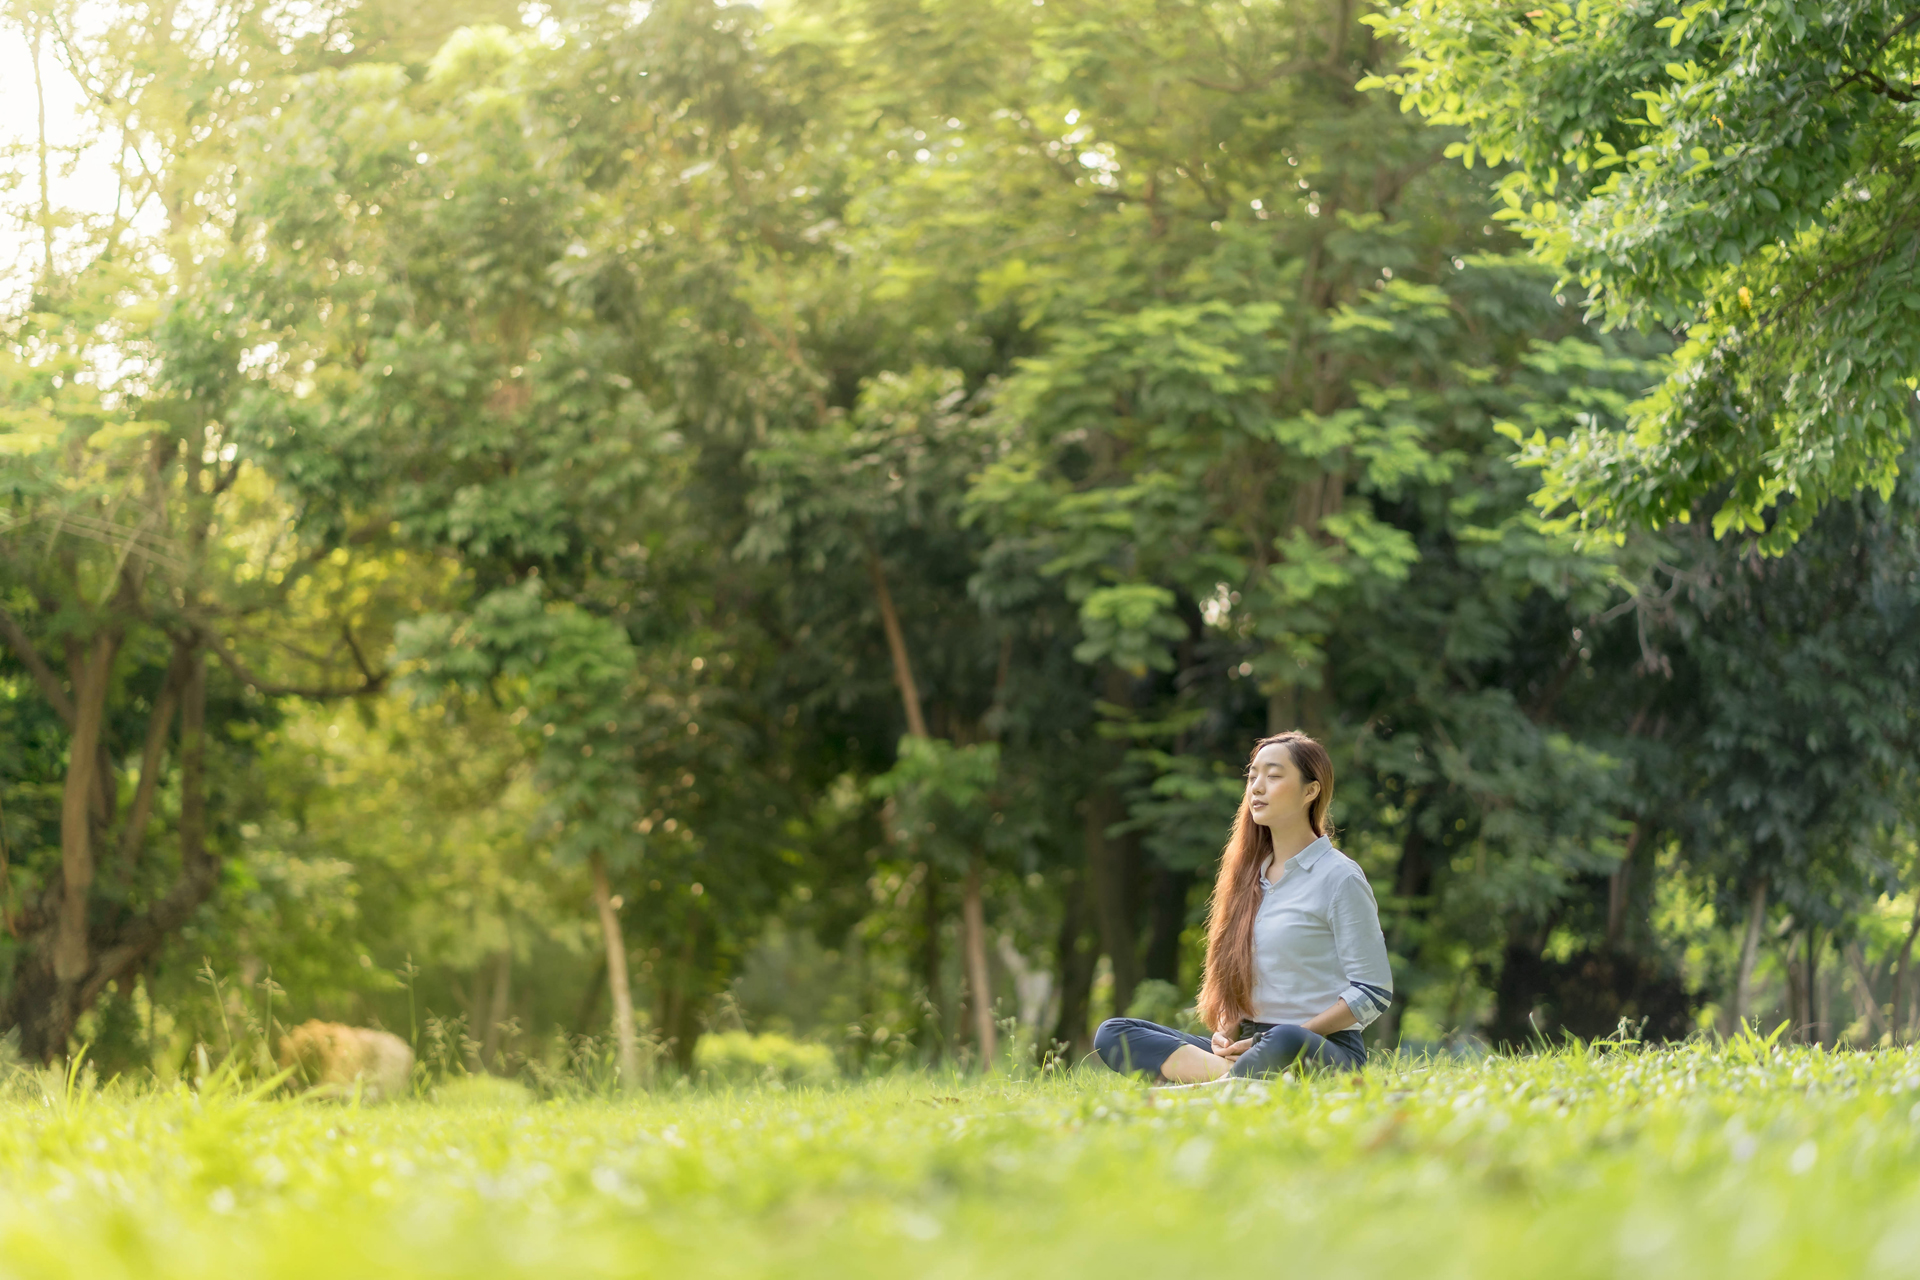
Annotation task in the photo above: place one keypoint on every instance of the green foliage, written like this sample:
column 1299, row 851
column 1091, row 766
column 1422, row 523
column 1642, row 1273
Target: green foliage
column 1158, row 1000
column 654, row 415
column 738, row 1058
column 900, row 460
column 1794, row 679
column 1740, row 174
column 944, row 797
column 572, row 668
column 482, row 1093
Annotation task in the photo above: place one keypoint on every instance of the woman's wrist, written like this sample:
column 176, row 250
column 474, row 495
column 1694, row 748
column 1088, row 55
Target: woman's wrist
column 1334, row 1018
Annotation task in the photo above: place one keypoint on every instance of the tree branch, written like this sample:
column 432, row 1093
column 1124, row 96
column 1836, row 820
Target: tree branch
column 896, row 644
column 375, row 680
column 77, row 798
column 159, row 724
column 22, row 646
column 1865, row 74
column 359, row 658
column 140, row 937
column 1879, row 84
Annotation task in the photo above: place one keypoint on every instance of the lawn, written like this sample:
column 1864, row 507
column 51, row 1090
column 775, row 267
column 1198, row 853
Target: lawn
column 1697, row 1161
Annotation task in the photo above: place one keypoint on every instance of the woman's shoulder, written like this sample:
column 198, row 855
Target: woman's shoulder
column 1344, row 868
column 1336, row 857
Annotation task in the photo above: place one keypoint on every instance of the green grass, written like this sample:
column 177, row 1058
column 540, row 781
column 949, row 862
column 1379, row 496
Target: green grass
column 1691, row 1162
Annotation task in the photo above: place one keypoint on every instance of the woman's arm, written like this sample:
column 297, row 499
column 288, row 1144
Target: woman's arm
column 1335, row 1017
column 1362, row 952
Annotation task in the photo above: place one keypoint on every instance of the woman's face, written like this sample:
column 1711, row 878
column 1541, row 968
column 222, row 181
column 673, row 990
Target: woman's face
column 1276, row 793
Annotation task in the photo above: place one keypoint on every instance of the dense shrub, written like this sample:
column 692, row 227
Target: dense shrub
column 738, row 1057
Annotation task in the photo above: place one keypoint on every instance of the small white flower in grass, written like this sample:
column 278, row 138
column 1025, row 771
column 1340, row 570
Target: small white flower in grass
column 1190, row 1161
column 1803, row 1157
column 1645, row 1236
column 918, row 1226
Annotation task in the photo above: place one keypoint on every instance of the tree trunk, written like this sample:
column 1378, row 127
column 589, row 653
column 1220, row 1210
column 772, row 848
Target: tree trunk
column 136, row 940
column 933, row 1025
column 1167, row 921
column 40, row 1006
column 1619, row 890
column 974, row 933
column 1108, row 875
column 1077, row 958
column 1798, row 1014
column 973, row 921
column 1412, row 885
column 193, row 769
column 46, row 193
column 1524, row 978
column 625, row 1041
column 1876, row 1020
column 497, row 1007
column 77, row 801
column 1749, row 953
column 686, row 994
column 1902, row 1013
column 1113, row 865
column 897, row 647
column 44, row 1005
column 1282, row 710
column 1816, row 1007
column 590, row 999
column 1033, row 985
column 159, row 726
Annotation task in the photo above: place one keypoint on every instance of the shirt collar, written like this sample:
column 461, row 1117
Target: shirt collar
column 1307, row 857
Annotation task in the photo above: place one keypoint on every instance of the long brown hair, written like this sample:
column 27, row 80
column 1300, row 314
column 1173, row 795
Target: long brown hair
column 1226, row 992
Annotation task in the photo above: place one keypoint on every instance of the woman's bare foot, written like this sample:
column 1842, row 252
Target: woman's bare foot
column 1198, row 1086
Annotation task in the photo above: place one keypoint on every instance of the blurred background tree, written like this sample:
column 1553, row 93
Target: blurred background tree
column 1742, row 176
column 789, row 521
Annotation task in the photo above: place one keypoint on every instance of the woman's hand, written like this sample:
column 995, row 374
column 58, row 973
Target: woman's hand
column 1229, row 1049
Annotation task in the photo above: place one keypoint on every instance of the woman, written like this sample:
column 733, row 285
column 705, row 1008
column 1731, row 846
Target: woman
column 1296, row 963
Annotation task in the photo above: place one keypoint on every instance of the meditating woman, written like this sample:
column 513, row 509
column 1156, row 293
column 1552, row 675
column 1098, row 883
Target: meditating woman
column 1296, row 963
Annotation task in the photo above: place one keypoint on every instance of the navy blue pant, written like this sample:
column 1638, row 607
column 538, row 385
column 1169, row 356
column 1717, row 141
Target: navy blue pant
column 1133, row 1046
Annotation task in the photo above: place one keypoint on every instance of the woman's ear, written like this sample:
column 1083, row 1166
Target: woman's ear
column 1312, row 791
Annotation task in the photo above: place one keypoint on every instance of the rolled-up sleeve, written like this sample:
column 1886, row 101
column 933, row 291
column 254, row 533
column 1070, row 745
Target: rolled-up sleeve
column 1361, row 948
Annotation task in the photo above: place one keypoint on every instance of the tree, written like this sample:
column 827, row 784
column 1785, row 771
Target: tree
column 870, row 469
column 150, row 576
column 892, row 476
column 492, row 382
column 573, row 669
column 1255, row 447
column 1742, row 175
column 1786, row 687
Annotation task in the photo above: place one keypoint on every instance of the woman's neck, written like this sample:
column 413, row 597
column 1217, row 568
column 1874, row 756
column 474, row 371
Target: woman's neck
column 1288, row 844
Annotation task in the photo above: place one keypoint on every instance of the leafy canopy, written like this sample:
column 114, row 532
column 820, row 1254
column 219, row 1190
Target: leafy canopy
column 1740, row 173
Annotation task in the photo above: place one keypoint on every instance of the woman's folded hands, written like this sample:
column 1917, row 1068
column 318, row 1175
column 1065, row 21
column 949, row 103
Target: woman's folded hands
column 1223, row 1047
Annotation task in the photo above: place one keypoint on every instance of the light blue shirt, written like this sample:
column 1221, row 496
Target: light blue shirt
column 1317, row 939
